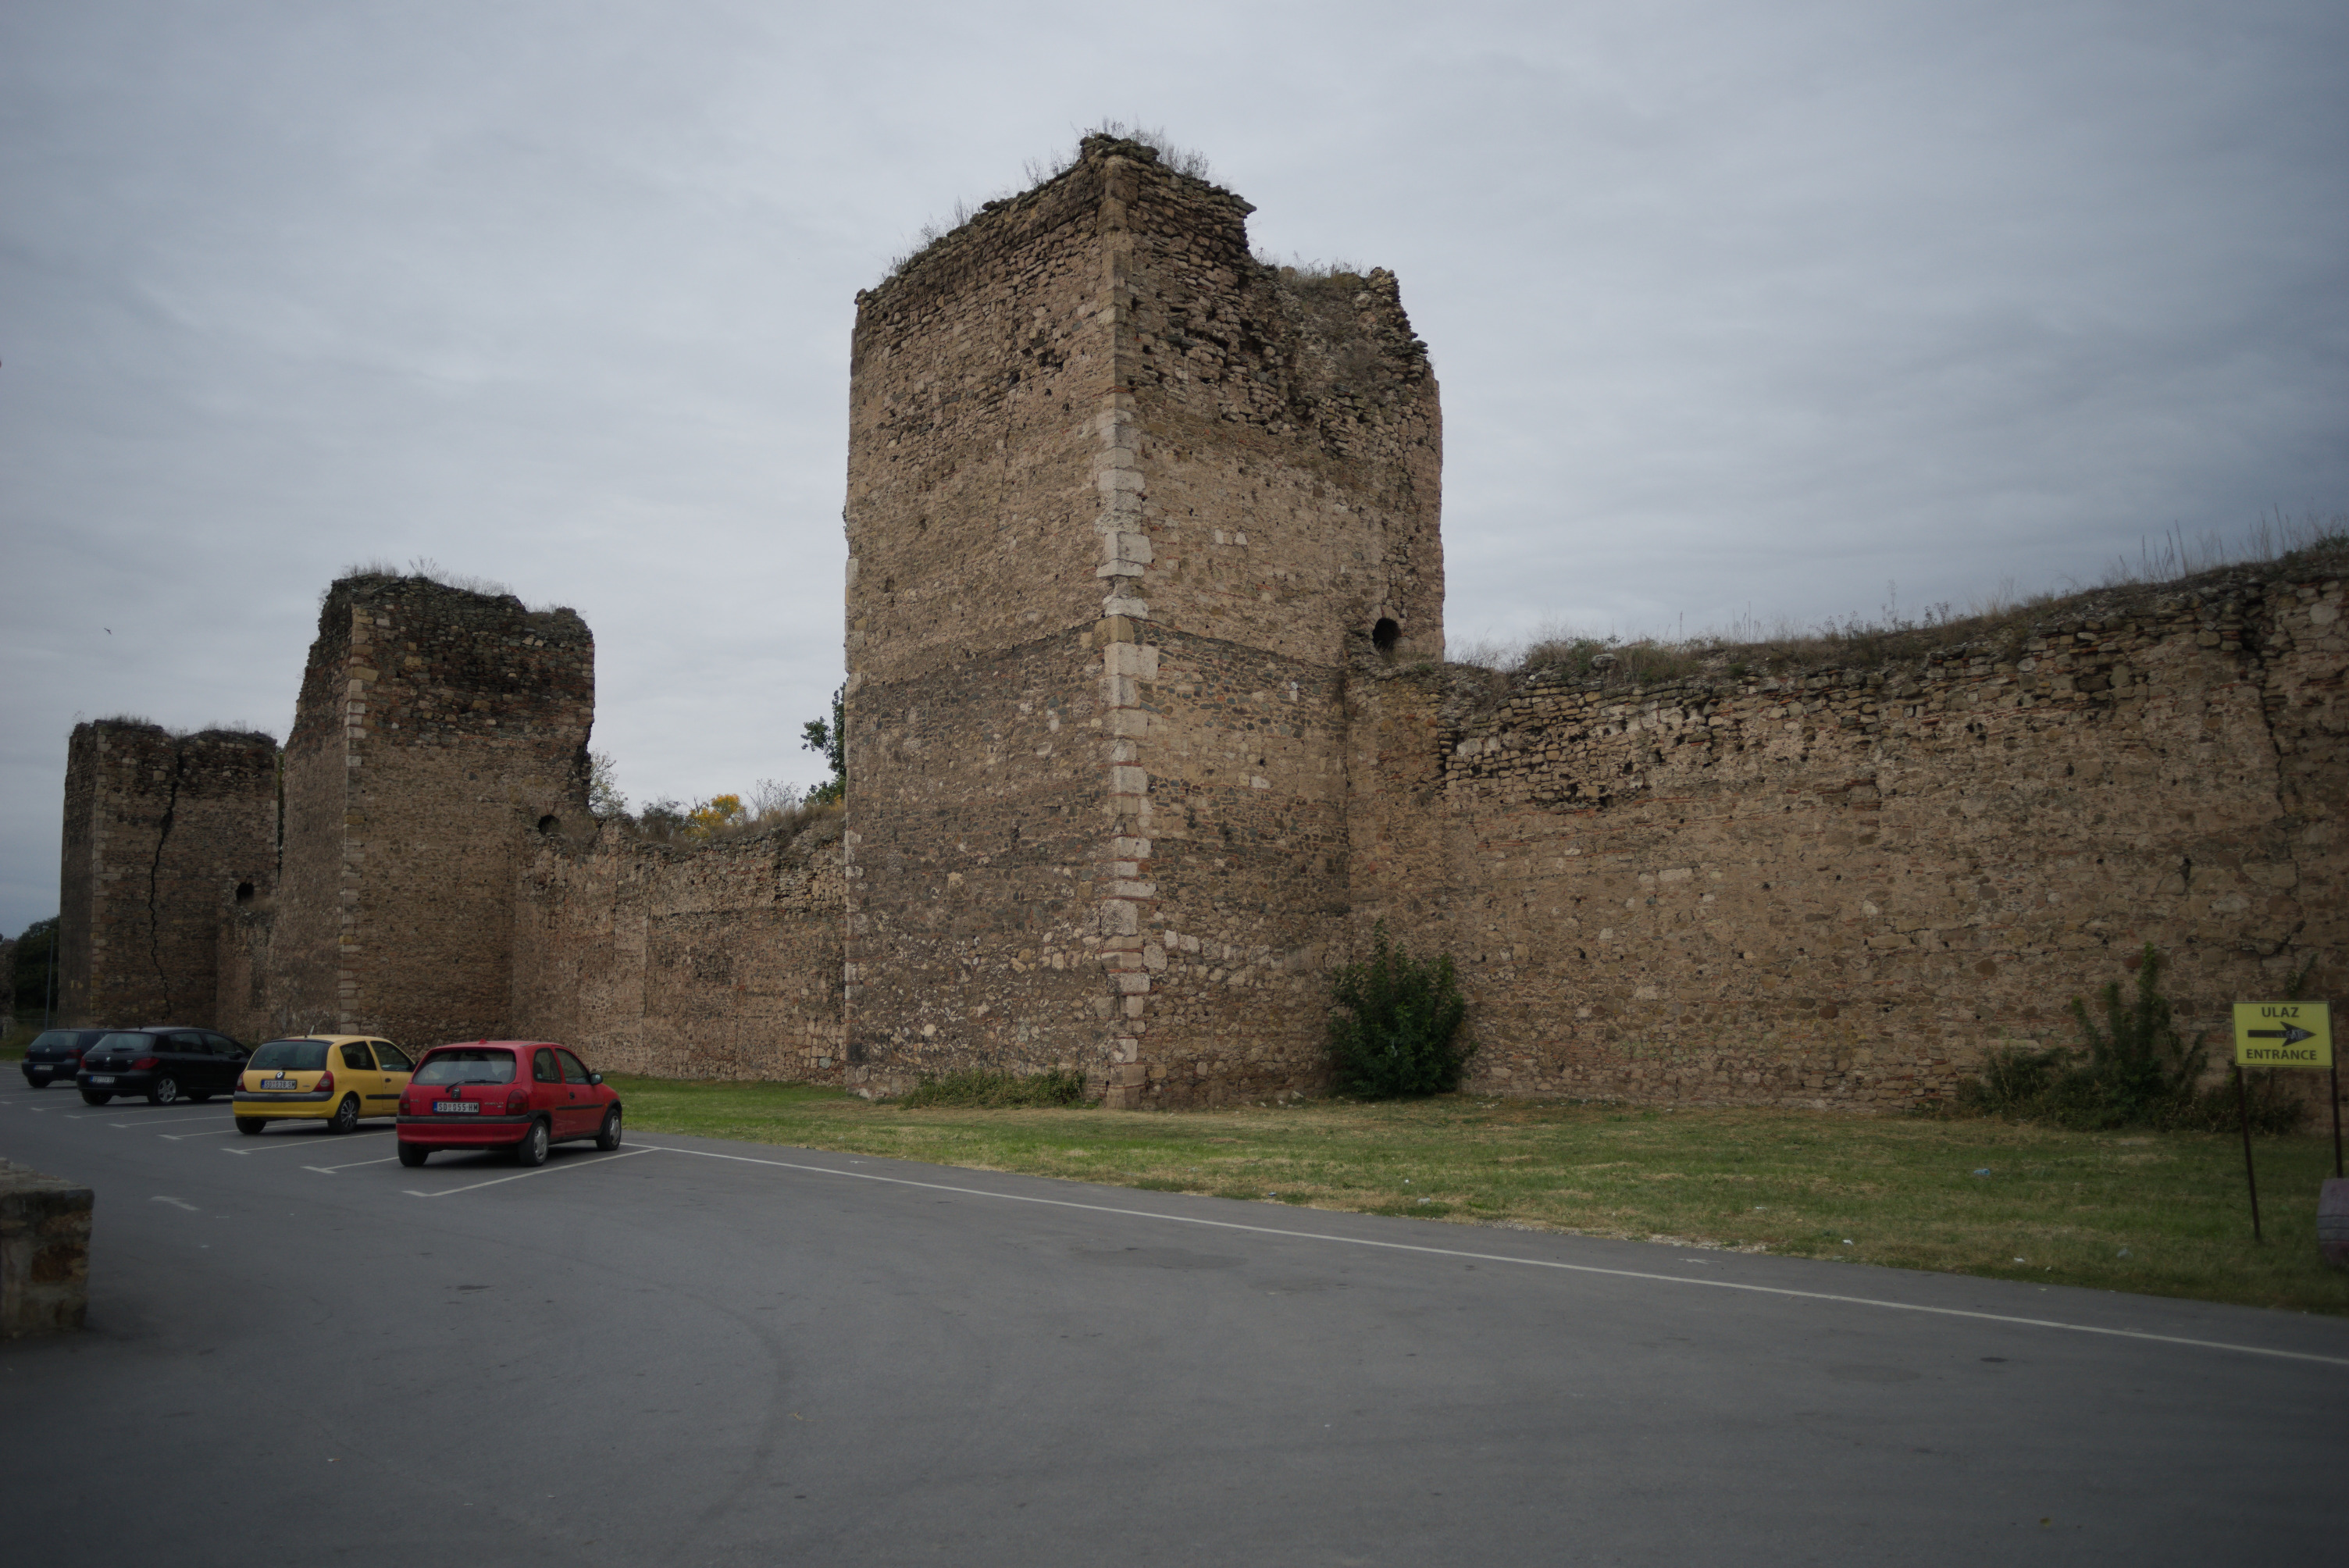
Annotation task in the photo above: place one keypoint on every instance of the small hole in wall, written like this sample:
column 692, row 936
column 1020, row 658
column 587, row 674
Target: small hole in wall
column 550, row 824
column 244, row 893
column 1385, row 634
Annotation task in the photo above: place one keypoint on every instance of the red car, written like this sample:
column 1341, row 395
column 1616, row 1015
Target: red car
column 524, row 1096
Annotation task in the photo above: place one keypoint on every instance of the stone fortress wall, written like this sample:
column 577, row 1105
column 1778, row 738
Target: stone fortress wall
column 162, row 834
column 1118, row 494
column 1840, row 886
column 439, row 737
column 720, row 961
column 1148, row 726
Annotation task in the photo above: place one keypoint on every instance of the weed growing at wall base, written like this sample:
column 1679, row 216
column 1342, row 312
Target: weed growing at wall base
column 2134, row 1070
column 1396, row 1029
column 994, row 1091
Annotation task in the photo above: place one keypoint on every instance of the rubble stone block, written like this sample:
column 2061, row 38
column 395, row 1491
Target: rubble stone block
column 44, row 1252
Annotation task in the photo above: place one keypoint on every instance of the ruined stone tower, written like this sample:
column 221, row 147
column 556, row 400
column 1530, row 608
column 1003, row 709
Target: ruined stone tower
column 163, row 835
column 1121, row 500
column 438, row 736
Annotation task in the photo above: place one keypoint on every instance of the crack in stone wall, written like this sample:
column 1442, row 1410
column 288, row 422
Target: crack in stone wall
column 154, row 879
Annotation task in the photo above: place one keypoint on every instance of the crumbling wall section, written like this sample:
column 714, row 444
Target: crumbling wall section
column 1839, row 887
column 440, row 735
column 722, row 961
column 163, row 834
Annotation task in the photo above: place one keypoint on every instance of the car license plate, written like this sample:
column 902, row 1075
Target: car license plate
column 279, row 1083
column 457, row 1107
column 101, row 1077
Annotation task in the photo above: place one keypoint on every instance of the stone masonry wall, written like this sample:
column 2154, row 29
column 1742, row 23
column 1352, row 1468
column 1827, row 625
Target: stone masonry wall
column 973, row 735
column 1839, row 888
column 1281, row 463
column 163, row 834
column 718, row 961
column 438, row 735
column 1118, row 498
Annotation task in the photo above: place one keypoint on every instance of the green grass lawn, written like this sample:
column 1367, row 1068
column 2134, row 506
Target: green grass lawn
column 2160, row 1214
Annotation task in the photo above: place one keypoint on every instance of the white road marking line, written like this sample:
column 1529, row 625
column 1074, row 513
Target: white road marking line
column 275, row 1144
column 542, row 1170
column 1528, row 1262
column 191, row 1208
column 175, row 1137
column 330, row 1170
column 164, row 1120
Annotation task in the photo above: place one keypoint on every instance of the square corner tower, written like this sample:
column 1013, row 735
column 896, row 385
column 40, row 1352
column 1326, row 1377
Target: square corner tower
column 1122, row 503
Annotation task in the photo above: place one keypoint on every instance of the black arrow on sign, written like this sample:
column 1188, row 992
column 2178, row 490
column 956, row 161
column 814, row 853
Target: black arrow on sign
column 2288, row 1034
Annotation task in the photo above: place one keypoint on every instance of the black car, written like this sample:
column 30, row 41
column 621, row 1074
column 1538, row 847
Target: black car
column 164, row 1062
column 56, row 1054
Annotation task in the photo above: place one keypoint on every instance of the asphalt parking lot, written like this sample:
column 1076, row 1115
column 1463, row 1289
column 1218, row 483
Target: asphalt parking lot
column 695, row 1352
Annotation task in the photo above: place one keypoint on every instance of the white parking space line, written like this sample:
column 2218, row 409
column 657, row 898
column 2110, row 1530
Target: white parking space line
column 191, row 1208
column 210, row 1132
column 330, row 1170
column 164, row 1120
column 573, row 1163
column 310, row 1141
column 1522, row 1263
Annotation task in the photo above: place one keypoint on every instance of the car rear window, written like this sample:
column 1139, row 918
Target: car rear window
column 122, row 1040
column 466, row 1065
column 53, row 1039
column 290, row 1056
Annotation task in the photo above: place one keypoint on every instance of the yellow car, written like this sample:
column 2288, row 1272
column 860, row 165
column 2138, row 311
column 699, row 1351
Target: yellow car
column 334, row 1079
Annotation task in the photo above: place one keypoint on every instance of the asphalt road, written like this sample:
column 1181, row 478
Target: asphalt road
column 695, row 1352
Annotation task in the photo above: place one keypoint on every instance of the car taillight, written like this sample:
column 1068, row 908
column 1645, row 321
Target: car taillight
column 517, row 1100
column 407, row 1106
column 144, row 1062
column 326, row 1083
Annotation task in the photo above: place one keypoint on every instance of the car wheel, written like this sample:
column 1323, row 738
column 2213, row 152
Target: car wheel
column 346, row 1115
column 249, row 1125
column 92, row 1096
column 532, row 1150
column 413, row 1154
column 609, row 1137
column 165, row 1092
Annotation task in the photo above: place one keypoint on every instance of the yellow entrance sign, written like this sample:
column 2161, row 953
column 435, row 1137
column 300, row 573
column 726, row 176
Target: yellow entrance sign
column 2283, row 1034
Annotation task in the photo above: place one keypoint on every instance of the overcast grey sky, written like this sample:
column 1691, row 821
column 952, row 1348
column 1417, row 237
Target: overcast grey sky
column 1738, row 309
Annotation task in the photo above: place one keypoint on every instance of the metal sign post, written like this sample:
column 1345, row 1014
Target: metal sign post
column 2281, row 1034
column 2250, row 1178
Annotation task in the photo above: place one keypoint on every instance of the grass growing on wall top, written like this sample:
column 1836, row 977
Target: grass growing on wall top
column 1996, row 624
column 2163, row 1214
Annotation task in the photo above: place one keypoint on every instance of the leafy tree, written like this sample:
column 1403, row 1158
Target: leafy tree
column 604, row 797
column 714, row 815
column 664, row 818
column 30, row 971
column 831, row 739
column 1396, row 1027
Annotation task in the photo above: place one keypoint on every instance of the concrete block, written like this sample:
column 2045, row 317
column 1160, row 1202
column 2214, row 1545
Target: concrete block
column 44, row 1252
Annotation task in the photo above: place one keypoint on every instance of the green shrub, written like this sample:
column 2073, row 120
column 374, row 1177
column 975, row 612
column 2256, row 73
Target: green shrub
column 994, row 1091
column 2132, row 1070
column 1396, row 1029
